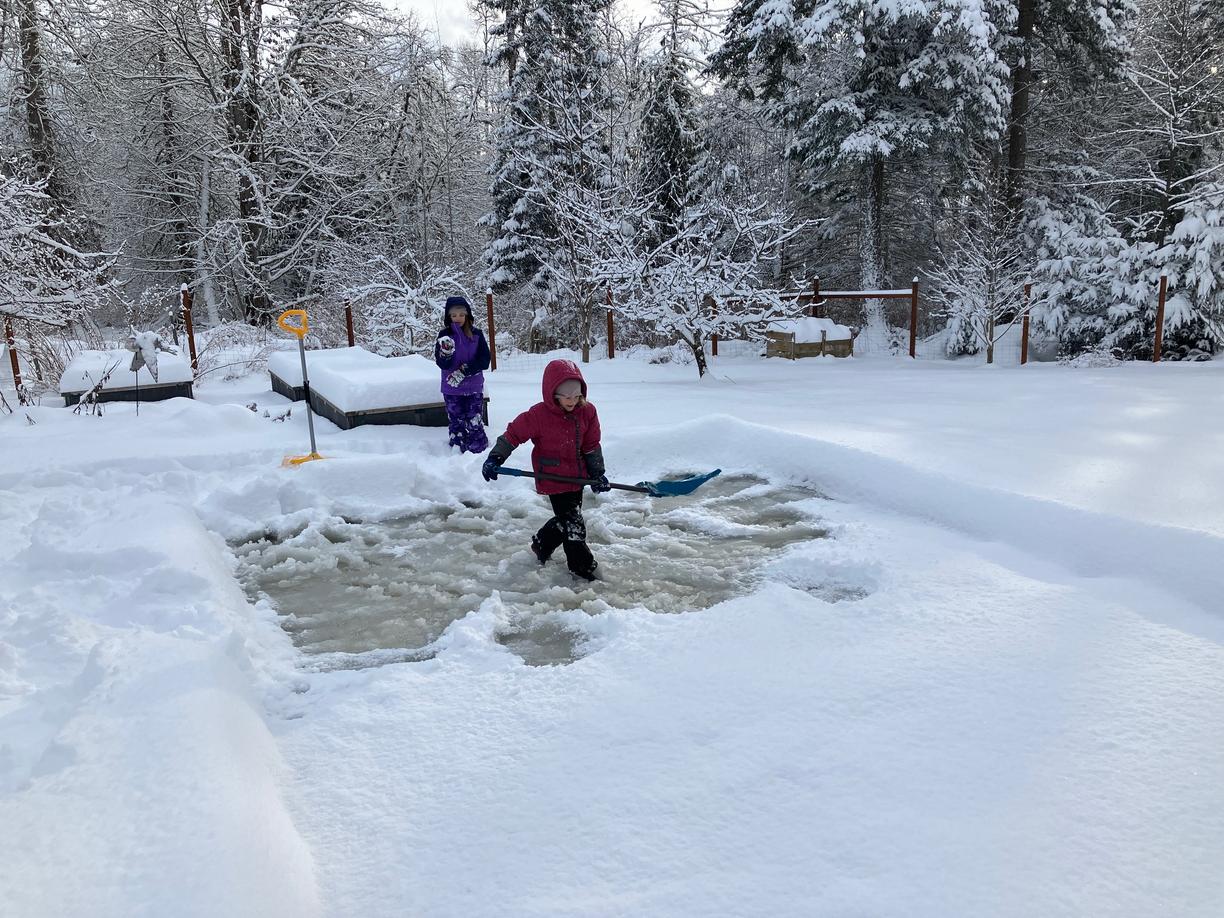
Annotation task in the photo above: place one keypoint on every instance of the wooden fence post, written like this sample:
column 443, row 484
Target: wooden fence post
column 1024, row 325
column 1160, row 310
column 913, row 342
column 815, row 311
column 191, row 345
column 348, row 323
column 12, row 349
column 714, row 336
column 611, row 330
column 492, row 330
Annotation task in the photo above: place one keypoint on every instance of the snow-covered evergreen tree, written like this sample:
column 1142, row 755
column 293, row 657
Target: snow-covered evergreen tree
column 674, row 161
column 1193, row 259
column 860, row 83
column 978, row 281
column 552, row 143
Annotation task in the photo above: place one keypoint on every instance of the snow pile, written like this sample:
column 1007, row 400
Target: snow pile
column 88, row 367
column 1097, row 358
column 137, row 772
column 809, row 330
column 287, row 365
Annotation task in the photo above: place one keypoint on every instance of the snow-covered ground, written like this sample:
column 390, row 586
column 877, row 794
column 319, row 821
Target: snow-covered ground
column 991, row 683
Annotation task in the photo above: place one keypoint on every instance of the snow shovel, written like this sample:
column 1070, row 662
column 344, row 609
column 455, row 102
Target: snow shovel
column 300, row 331
column 673, row 487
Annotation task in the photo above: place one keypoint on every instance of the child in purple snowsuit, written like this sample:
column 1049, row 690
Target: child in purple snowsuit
column 462, row 354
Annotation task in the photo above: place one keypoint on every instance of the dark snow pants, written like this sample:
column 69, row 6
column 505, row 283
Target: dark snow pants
column 466, row 428
column 568, row 528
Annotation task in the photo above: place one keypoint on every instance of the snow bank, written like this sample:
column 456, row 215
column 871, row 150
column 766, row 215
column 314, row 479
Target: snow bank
column 137, row 775
column 87, row 367
column 808, row 331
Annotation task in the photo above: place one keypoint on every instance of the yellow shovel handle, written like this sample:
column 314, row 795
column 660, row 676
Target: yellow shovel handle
column 299, row 330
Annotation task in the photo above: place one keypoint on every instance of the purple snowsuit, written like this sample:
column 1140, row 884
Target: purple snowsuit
column 464, row 402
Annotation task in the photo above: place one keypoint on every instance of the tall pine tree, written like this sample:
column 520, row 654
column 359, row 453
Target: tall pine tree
column 860, row 84
column 551, row 143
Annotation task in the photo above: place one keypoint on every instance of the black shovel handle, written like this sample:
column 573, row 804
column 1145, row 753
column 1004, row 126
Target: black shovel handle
column 547, row 476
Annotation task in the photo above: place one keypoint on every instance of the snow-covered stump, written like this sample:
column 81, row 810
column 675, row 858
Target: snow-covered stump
column 108, row 372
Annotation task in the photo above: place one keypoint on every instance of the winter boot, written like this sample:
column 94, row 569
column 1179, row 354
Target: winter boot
column 537, row 549
column 586, row 573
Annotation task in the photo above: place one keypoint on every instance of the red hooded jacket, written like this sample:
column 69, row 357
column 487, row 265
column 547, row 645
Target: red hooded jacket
column 561, row 438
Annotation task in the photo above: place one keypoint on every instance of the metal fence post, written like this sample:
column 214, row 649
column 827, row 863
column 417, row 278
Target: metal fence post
column 492, row 330
column 1024, row 325
column 611, row 330
column 913, row 342
column 1160, row 311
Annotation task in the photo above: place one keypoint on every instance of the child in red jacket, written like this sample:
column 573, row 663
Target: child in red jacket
column 564, row 429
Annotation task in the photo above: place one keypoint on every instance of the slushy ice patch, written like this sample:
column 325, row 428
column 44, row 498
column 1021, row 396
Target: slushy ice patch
column 353, row 587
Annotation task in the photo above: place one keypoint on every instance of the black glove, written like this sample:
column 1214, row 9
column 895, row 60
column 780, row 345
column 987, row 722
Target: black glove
column 600, row 485
column 490, row 467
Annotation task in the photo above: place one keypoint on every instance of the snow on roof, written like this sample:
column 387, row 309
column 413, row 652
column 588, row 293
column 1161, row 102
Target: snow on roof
column 807, row 331
column 387, row 382
column 87, row 367
column 287, row 365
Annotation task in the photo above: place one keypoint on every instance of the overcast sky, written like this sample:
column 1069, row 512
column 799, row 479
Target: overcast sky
column 450, row 17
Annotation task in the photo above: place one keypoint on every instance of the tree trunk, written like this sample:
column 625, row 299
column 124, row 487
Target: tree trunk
column 240, row 53
column 872, row 254
column 203, row 268
column 697, row 346
column 177, row 182
column 1022, row 79
column 39, row 128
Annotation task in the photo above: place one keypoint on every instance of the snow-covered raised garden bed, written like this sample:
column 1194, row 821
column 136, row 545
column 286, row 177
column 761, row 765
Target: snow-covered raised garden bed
column 809, row 337
column 285, row 367
column 88, row 368
column 351, row 386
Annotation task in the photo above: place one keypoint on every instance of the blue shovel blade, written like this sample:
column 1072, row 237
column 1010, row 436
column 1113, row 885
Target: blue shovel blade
column 677, row 486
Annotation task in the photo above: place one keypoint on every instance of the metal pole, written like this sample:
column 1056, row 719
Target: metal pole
column 1024, row 325
column 913, row 318
column 611, row 330
column 191, row 347
column 12, row 349
column 492, row 331
column 306, row 394
column 348, row 323
column 1160, row 309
